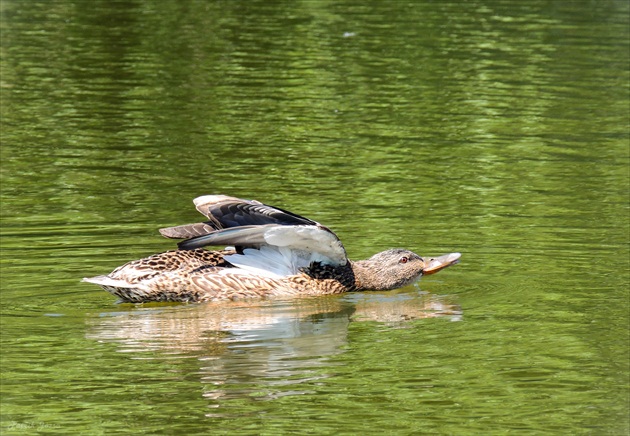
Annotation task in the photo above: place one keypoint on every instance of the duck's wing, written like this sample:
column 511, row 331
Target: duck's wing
column 235, row 212
column 283, row 249
column 188, row 231
column 226, row 212
column 269, row 240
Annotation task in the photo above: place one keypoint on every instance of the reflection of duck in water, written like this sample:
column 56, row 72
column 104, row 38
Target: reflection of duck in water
column 275, row 252
column 283, row 344
column 215, row 326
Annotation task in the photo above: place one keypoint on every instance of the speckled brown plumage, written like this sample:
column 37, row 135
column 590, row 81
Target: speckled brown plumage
column 202, row 275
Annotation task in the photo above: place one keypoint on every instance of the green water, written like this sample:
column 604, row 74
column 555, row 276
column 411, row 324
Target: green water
column 495, row 128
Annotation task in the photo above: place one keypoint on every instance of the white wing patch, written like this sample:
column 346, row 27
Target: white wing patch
column 272, row 262
column 290, row 249
column 312, row 243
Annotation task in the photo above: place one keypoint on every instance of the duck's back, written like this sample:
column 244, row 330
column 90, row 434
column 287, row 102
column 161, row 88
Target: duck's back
column 161, row 277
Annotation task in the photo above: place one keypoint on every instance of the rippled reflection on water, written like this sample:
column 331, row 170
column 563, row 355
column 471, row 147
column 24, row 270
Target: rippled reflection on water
column 277, row 344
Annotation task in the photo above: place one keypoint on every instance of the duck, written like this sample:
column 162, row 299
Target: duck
column 268, row 252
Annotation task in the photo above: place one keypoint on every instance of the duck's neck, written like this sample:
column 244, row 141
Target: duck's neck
column 367, row 276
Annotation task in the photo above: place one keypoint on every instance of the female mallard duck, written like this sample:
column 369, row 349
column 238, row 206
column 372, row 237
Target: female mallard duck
column 275, row 252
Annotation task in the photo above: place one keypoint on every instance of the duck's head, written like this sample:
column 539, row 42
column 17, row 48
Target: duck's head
column 397, row 267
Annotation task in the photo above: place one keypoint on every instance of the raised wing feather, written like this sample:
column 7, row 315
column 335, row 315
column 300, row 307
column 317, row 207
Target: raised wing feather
column 305, row 244
column 269, row 240
column 188, row 231
column 225, row 212
column 235, row 212
column 245, row 236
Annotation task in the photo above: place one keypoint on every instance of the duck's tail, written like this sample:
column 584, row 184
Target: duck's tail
column 106, row 281
column 128, row 292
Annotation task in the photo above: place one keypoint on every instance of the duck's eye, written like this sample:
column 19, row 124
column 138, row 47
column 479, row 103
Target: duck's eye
column 403, row 259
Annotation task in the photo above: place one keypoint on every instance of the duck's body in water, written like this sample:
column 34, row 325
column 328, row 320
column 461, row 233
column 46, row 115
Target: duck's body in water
column 276, row 253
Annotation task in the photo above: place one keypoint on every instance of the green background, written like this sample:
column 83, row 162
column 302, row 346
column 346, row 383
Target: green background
column 495, row 128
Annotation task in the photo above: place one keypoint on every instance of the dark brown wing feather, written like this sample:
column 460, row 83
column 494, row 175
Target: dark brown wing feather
column 188, row 231
column 231, row 212
column 236, row 214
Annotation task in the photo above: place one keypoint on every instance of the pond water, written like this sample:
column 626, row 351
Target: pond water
column 496, row 129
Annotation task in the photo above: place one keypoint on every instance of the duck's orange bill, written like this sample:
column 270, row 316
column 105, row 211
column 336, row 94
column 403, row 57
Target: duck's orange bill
column 435, row 264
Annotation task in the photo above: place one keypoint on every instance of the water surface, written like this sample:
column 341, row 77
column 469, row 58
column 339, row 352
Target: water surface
column 497, row 129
